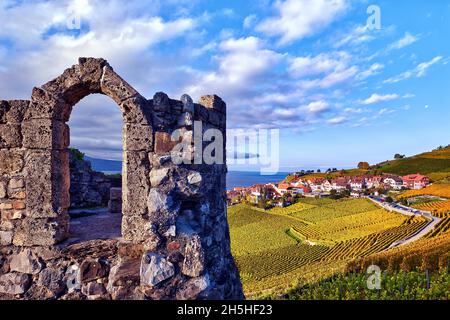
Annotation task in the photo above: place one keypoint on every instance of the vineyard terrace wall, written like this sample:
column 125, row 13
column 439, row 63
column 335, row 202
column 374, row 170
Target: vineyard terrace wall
column 175, row 240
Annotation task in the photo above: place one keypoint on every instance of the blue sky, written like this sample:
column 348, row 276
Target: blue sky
column 338, row 91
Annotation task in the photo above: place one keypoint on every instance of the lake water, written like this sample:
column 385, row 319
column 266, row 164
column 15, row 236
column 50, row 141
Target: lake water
column 242, row 178
column 247, row 178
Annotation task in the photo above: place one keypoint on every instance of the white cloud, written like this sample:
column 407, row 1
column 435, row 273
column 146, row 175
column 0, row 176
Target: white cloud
column 249, row 21
column 317, row 107
column 353, row 110
column 407, row 40
column 419, row 71
column 337, row 120
column 244, row 63
column 376, row 98
column 317, row 65
column 385, row 111
column 356, row 36
column 298, row 19
column 372, row 70
column 330, row 68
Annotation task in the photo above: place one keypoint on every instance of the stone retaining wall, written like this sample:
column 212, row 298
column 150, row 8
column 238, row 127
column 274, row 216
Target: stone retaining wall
column 175, row 239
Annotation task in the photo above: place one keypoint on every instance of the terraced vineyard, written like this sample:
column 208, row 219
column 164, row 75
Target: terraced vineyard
column 437, row 189
column 275, row 248
column 361, row 247
column 440, row 209
column 442, row 227
column 350, row 226
column 432, row 254
column 279, row 261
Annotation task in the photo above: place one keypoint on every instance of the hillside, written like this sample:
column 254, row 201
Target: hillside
column 435, row 164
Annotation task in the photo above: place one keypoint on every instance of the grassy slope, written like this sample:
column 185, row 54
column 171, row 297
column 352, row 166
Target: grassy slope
column 435, row 164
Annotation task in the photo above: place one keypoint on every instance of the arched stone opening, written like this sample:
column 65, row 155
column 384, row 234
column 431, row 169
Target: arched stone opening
column 46, row 138
column 175, row 239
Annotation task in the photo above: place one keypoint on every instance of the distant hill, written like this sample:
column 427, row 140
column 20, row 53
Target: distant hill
column 104, row 165
column 435, row 164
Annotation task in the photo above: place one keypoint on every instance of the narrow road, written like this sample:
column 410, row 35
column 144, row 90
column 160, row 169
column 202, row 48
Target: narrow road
column 408, row 212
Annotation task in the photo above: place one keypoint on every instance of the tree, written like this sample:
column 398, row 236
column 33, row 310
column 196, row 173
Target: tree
column 318, row 171
column 363, row 165
column 399, row 156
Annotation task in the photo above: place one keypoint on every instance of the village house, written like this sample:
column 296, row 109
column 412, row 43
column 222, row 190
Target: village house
column 327, row 186
column 339, row 184
column 374, row 182
column 415, row 181
column 316, row 184
column 393, row 182
column 358, row 183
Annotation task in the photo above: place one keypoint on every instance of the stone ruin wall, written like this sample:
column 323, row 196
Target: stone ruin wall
column 175, row 238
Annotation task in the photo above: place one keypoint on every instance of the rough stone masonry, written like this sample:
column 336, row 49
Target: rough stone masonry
column 175, row 239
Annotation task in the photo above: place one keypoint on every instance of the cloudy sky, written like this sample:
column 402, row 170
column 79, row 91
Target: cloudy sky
column 339, row 91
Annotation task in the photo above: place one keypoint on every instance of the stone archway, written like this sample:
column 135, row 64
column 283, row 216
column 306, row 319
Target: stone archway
column 46, row 138
column 176, row 242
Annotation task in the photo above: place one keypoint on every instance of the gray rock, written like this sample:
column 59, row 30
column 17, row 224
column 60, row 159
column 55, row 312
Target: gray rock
column 185, row 120
column 14, row 283
column 155, row 269
column 52, row 279
column 188, row 103
column 158, row 201
column 26, row 262
column 194, row 178
column 2, row 190
column 158, row 176
column 193, row 264
column 171, row 232
column 193, row 288
column 93, row 289
column 5, row 238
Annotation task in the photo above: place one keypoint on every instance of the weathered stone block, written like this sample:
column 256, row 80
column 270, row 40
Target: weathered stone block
column 12, row 111
column 78, row 81
column 158, row 176
column 193, row 264
column 155, row 269
column 11, row 161
column 41, row 232
column 162, row 208
column 126, row 272
column 3, row 191
column 115, row 87
column 26, row 262
column 16, row 183
column 137, row 137
column 213, row 102
column 44, row 105
column 6, row 238
column 192, row 288
column 164, row 143
column 45, row 134
column 188, row 104
column 93, row 289
column 135, row 228
column 10, row 136
column 14, row 283
column 136, row 174
column 136, row 110
column 47, row 182
column 128, row 249
column 53, row 280
column 93, row 269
